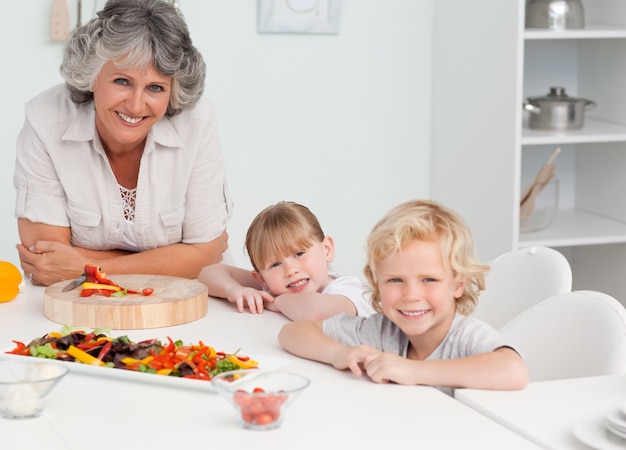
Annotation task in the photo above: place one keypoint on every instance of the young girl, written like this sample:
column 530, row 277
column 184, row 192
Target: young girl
column 425, row 281
column 290, row 255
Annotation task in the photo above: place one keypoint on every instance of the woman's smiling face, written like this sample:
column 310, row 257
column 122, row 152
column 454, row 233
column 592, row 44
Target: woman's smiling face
column 128, row 103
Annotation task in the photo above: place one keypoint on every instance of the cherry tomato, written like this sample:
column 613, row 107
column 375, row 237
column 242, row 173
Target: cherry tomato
column 247, row 417
column 147, row 291
column 272, row 403
column 264, row 419
column 258, row 390
column 256, row 407
column 242, row 398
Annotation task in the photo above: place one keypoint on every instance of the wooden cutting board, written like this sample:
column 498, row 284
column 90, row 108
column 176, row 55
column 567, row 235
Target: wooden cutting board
column 174, row 301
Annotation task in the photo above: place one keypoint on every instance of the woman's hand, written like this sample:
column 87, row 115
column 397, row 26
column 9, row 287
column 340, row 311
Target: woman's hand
column 46, row 255
column 47, row 262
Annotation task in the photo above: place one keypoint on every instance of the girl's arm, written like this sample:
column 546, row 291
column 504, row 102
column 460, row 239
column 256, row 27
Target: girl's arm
column 222, row 278
column 236, row 285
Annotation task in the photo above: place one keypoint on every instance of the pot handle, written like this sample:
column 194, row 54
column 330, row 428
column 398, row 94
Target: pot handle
column 532, row 108
column 589, row 104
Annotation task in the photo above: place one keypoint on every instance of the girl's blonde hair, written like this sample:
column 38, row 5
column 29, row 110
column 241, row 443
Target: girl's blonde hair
column 427, row 220
column 280, row 230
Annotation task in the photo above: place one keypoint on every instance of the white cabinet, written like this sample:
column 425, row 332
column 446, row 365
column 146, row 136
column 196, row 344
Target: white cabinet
column 485, row 63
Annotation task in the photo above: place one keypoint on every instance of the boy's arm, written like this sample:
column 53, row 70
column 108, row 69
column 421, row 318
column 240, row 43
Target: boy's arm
column 305, row 338
column 313, row 305
column 502, row 368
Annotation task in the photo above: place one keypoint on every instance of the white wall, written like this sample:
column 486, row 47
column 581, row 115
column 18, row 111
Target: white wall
column 339, row 123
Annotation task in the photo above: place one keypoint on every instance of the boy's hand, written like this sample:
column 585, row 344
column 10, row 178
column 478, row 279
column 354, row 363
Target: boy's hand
column 250, row 297
column 353, row 357
column 385, row 367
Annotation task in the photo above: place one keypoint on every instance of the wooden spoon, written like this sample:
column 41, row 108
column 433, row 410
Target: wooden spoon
column 545, row 174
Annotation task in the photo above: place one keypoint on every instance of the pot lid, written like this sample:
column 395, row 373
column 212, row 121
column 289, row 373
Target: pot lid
column 556, row 94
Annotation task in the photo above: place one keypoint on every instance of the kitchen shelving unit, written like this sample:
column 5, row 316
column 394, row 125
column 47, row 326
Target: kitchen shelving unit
column 485, row 63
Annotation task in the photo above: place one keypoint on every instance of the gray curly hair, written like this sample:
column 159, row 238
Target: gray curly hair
column 135, row 33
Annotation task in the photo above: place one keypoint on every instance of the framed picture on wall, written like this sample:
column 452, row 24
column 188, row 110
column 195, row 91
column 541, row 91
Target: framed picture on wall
column 299, row 16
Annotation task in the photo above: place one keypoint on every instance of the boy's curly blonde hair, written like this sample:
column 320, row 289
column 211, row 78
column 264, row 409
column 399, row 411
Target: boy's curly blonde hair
column 426, row 220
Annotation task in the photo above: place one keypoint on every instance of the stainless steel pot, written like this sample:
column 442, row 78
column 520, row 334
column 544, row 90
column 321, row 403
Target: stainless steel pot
column 555, row 14
column 556, row 111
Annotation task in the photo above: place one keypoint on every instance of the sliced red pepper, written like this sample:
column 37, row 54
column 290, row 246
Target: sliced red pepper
column 90, row 292
column 171, row 346
column 105, row 350
column 94, row 275
column 20, row 349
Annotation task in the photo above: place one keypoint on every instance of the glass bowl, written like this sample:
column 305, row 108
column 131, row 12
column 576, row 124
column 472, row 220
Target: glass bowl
column 24, row 385
column 260, row 397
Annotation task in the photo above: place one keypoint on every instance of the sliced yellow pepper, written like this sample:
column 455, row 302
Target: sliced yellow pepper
column 55, row 334
column 243, row 364
column 109, row 287
column 128, row 360
column 164, row 371
column 84, row 357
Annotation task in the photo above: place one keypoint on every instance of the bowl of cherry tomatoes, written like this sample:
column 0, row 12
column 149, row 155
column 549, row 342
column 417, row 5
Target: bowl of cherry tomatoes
column 260, row 397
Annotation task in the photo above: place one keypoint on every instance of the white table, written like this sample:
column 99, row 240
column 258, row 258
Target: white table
column 546, row 412
column 337, row 411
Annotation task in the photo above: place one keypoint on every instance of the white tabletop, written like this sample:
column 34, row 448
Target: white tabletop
column 547, row 412
column 338, row 410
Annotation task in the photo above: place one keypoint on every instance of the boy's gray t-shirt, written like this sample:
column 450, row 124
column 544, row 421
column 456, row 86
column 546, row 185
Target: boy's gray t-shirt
column 467, row 336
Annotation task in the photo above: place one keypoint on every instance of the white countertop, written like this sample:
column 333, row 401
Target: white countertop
column 547, row 412
column 337, row 411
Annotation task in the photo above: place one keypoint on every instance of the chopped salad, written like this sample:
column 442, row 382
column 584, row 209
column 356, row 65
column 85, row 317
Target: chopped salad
column 96, row 347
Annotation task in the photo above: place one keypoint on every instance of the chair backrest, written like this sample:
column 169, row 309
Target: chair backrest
column 520, row 279
column 576, row 334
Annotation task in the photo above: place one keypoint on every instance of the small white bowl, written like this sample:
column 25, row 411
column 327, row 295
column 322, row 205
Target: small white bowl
column 24, row 385
column 260, row 397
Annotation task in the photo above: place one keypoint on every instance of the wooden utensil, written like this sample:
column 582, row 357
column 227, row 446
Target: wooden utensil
column 60, row 21
column 174, row 301
column 545, row 174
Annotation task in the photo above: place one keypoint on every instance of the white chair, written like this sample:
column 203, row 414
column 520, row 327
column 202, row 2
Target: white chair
column 520, row 279
column 572, row 335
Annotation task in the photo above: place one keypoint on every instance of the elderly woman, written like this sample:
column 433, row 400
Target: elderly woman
column 121, row 165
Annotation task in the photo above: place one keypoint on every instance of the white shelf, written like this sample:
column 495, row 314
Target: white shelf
column 591, row 31
column 508, row 62
column 573, row 227
column 593, row 131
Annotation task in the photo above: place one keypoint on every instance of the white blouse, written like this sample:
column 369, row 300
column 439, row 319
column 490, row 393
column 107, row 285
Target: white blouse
column 63, row 178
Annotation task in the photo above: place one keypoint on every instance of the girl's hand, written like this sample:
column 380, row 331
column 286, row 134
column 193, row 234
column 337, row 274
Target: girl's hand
column 385, row 367
column 249, row 297
column 353, row 357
